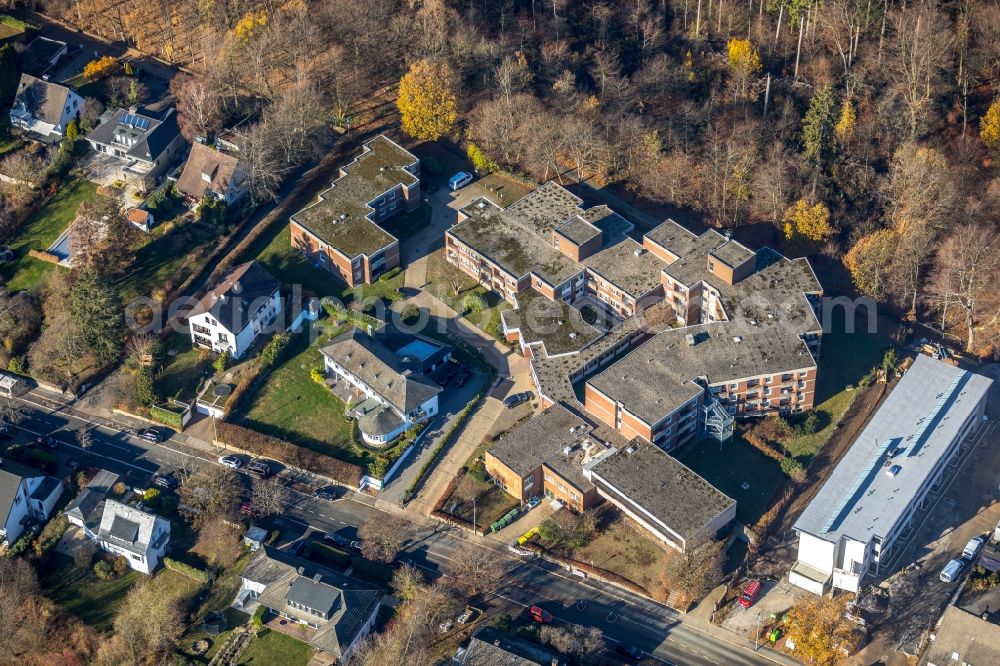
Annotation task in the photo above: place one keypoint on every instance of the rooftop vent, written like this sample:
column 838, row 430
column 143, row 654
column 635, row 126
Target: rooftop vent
column 639, row 251
column 301, row 570
column 343, row 216
column 753, row 322
column 481, row 204
column 574, row 335
column 560, row 322
column 630, row 450
column 737, row 339
column 381, row 169
column 317, row 578
column 690, row 339
column 567, row 450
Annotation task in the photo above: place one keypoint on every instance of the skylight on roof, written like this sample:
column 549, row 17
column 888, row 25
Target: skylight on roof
column 135, row 121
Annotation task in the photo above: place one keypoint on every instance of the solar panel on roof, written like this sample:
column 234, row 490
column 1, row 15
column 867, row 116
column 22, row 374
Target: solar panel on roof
column 135, row 121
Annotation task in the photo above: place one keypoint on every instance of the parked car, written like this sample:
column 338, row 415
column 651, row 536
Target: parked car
column 446, row 376
column 335, row 539
column 166, row 482
column 462, row 376
column 355, row 545
column 47, row 442
column 296, row 547
column 465, row 616
column 151, row 435
column 540, row 614
column 259, row 468
column 750, row 593
column 329, row 493
column 971, row 548
column 512, row 401
column 247, row 509
column 6, row 254
column 951, row 571
column 459, row 180
column 230, row 461
column 629, row 651
column 893, row 471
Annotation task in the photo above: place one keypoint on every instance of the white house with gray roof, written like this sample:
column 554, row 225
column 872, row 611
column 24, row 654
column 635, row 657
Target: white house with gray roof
column 138, row 535
column 390, row 393
column 141, row 143
column 26, row 496
column 853, row 522
column 243, row 306
column 44, row 108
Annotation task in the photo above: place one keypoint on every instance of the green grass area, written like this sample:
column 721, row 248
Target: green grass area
column 82, row 593
column 272, row 647
column 167, row 256
column 492, row 503
column 830, row 412
column 404, row 225
column 451, row 286
column 728, row 467
column 40, row 231
column 847, row 357
column 180, row 375
column 290, row 405
column 8, row 31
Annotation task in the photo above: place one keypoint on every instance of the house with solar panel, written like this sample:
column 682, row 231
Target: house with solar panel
column 891, row 472
column 141, row 143
column 140, row 536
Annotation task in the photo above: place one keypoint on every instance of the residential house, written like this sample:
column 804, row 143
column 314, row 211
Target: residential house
column 335, row 611
column 391, row 393
column 26, row 496
column 962, row 639
column 852, row 524
column 87, row 507
column 43, row 108
column 141, row 218
column 231, row 316
column 140, row 536
column 213, row 173
column 42, row 55
column 490, row 646
column 343, row 232
column 139, row 144
column 562, row 455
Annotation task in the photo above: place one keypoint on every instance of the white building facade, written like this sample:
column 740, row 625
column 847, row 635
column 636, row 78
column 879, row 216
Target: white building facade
column 850, row 528
column 25, row 498
column 231, row 317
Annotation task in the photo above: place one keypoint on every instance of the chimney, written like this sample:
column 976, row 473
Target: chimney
column 301, row 570
column 318, row 578
column 133, row 109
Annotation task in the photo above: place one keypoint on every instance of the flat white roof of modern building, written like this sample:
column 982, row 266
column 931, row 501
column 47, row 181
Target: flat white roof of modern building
column 920, row 419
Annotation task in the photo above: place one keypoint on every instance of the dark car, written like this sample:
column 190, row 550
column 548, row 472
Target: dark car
column 335, row 539
column 150, row 435
column 259, row 468
column 165, row 482
column 355, row 546
column 629, row 651
column 296, row 547
column 462, row 377
column 328, row 493
column 446, row 375
column 512, row 401
column 247, row 509
column 47, row 442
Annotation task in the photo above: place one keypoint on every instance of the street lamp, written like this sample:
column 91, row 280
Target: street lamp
column 474, row 530
column 756, row 638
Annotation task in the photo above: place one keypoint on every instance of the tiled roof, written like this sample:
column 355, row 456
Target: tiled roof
column 233, row 302
column 207, row 161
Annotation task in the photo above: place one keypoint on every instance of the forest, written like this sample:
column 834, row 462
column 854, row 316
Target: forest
column 859, row 132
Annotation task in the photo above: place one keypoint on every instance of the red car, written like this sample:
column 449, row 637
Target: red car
column 247, row 510
column 540, row 615
column 750, row 594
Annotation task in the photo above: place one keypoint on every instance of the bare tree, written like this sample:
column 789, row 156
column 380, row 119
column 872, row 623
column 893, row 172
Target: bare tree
column 24, row 173
column 140, row 346
column 695, row 573
column 199, row 105
column 147, row 625
column 968, row 267
column 218, row 542
column 18, row 584
column 11, row 412
column 268, row 496
column 209, row 491
column 84, row 437
column 382, row 538
column 574, row 640
column 477, row 569
column 920, row 54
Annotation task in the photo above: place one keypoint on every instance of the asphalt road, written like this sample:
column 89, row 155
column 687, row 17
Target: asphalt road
column 621, row 616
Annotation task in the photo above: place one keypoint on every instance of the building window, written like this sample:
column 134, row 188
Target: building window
column 529, row 481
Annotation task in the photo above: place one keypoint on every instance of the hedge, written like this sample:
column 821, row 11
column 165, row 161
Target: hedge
column 260, row 445
column 24, row 26
column 443, row 443
column 339, row 313
column 330, row 554
column 186, row 570
column 371, row 569
column 166, row 417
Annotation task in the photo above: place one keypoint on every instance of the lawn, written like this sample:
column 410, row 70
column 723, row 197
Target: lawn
column 728, row 466
column 450, row 285
column 847, row 357
column 40, row 231
column 7, row 31
column 291, row 406
column 623, row 549
column 166, row 257
column 275, row 252
column 83, row 594
column 181, row 374
column 492, row 503
column 273, row 647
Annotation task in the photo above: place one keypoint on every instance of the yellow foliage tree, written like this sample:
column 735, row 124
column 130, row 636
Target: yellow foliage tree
column 989, row 125
column 250, row 26
column 743, row 57
column 427, row 100
column 869, row 259
column 103, row 66
column 821, row 633
column 811, row 222
column 845, row 124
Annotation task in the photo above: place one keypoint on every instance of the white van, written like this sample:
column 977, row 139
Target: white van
column 11, row 385
column 951, row 571
column 972, row 548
